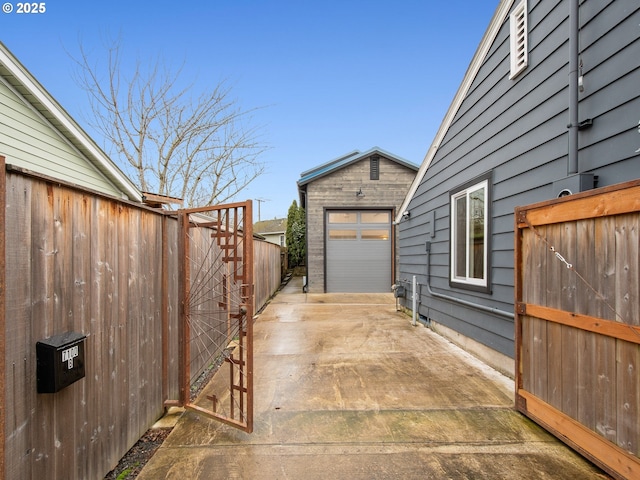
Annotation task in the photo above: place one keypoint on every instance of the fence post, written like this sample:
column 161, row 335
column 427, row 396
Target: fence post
column 3, row 400
column 183, row 314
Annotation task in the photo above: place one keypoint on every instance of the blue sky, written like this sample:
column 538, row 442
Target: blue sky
column 326, row 77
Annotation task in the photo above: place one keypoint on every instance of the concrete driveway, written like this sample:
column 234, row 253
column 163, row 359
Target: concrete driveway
column 347, row 388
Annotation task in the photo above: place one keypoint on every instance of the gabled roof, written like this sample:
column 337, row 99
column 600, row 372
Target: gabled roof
column 341, row 162
column 501, row 13
column 19, row 78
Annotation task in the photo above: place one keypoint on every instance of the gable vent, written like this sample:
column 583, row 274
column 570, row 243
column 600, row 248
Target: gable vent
column 519, row 54
column 374, row 167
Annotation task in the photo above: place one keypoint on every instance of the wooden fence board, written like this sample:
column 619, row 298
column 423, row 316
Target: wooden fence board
column 569, row 335
column 612, row 201
column 627, row 396
column 618, row 330
column 627, row 278
column 67, row 403
column 42, row 276
column 605, row 393
column 586, row 361
column 81, row 308
column 586, row 293
column 554, row 275
column 3, row 318
column 18, row 310
column 95, row 360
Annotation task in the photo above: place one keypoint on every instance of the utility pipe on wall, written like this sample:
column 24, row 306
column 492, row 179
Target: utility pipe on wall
column 414, row 300
column 477, row 306
column 572, row 166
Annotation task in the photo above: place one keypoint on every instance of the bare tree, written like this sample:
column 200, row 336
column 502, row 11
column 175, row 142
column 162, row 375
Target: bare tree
column 197, row 149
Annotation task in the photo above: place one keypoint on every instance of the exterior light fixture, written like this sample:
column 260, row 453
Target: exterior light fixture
column 360, row 193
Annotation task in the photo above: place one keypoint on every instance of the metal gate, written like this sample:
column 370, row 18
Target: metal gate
column 216, row 318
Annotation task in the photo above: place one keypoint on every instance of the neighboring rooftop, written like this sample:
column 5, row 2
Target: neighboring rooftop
column 277, row 225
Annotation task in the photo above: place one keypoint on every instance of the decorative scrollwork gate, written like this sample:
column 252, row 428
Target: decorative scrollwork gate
column 216, row 318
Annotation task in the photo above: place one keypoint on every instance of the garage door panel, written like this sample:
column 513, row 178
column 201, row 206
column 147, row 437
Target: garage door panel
column 359, row 254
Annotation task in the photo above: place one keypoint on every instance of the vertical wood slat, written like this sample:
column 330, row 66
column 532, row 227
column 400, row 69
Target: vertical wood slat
column 18, row 310
column 569, row 335
column 592, row 377
column 65, row 431
column 627, row 281
column 626, row 304
column 553, row 275
column 627, row 362
column 584, row 298
column 3, row 378
column 81, row 308
column 184, row 354
column 605, row 347
column 43, row 294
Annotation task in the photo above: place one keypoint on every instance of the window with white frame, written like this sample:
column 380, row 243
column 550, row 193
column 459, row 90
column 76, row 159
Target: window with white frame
column 518, row 39
column 470, row 235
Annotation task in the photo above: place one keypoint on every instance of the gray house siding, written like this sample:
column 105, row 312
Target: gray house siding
column 517, row 130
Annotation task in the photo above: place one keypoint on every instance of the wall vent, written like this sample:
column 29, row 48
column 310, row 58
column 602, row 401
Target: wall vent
column 518, row 39
column 374, row 167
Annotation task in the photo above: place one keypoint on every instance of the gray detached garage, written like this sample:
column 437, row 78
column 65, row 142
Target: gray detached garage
column 350, row 203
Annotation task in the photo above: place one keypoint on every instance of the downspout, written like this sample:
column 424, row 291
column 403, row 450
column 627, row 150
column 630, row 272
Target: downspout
column 572, row 166
column 477, row 306
column 305, row 281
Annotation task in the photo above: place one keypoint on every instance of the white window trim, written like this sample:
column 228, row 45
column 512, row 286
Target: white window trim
column 477, row 282
column 518, row 39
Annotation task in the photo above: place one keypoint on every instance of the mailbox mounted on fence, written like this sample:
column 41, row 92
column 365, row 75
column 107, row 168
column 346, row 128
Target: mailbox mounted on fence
column 60, row 361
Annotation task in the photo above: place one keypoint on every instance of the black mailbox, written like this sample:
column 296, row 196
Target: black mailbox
column 60, row 361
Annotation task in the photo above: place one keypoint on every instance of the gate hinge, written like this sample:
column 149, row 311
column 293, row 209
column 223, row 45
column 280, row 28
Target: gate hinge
column 521, row 308
column 522, row 217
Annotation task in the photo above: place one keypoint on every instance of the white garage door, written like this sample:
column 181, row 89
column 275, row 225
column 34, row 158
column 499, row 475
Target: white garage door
column 359, row 255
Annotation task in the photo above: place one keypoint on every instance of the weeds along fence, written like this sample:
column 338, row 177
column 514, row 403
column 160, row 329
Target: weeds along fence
column 578, row 322
column 78, row 261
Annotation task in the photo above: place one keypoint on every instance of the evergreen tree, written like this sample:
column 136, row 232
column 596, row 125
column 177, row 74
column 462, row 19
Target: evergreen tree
column 296, row 235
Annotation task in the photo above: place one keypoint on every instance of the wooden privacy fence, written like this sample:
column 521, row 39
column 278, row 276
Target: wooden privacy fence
column 79, row 261
column 267, row 268
column 577, row 322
